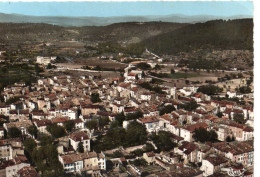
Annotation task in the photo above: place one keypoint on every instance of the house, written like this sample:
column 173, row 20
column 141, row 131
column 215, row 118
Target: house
column 188, row 131
column 72, row 163
column 94, row 161
column 6, row 151
column 79, row 124
column 59, row 120
column 151, row 123
column 90, row 109
column 77, row 137
column 188, row 151
column 22, row 126
column 4, row 109
column 41, row 125
column 83, row 162
column 10, row 168
column 212, row 164
column 19, row 115
column 149, row 157
column 45, row 60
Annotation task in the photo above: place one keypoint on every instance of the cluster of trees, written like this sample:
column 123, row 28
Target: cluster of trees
column 50, row 66
column 244, row 89
column 202, row 135
column 148, row 86
column 12, row 73
column 95, row 98
column 120, row 117
column 202, row 63
column 45, row 157
column 69, row 125
column 163, row 141
column 167, row 109
column 135, row 134
column 210, row 89
column 190, row 106
column 56, row 131
column 12, row 100
column 239, row 118
column 160, row 75
column 97, row 123
column 129, row 50
column 143, row 66
column 139, row 162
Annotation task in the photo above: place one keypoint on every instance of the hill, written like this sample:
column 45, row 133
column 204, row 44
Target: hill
column 104, row 21
column 217, row 35
column 14, row 34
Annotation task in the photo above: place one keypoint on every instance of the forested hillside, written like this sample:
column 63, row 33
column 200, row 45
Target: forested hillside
column 217, row 35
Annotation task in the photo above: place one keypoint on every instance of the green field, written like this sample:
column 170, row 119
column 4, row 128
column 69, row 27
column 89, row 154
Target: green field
column 183, row 75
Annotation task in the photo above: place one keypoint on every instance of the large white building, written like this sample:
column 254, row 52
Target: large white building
column 45, row 60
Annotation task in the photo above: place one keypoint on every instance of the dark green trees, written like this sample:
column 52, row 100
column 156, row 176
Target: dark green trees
column 202, row 135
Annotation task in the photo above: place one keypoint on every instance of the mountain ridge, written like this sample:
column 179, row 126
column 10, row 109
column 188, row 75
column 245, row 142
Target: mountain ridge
column 104, row 21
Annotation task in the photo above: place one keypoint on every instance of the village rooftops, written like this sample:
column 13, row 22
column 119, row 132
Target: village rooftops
column 27, row 171
column 181, row 172
column 68, row 159
column 24, row 123
column 216, row 160
column 149, row 119
column 41, row 123
column 235, row 147
column 59, row 119
column 193, row 127
column 78, row 136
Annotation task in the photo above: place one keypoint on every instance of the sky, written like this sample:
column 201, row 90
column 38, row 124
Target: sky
column 108, row 9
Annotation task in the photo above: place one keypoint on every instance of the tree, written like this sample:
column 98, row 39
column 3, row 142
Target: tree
column 220, row 114
column 46, row 140
column 33, row 131
column 95, row 98
column 139, row 162
column 148, row 147
column 135, row 134
column 46, row 160
column 167, row 109
column 56, row 131
column 29, row 145
column 80, row 147
column 239, row 118
column 202, row 135
column 103, row 122
column 69, row 125
column 143, row 66
column 136, row 115
column 14, row 132
column 172, row 71
column 244, row 89
column 163, row 141
column 157, row 67
column 92, row 124
column 190, row 106
column 120, row 117
column 228, row 139
column 209, row 89
column 114, row 124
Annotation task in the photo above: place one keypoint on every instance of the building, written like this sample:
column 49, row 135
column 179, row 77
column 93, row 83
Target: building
column 77, row 137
